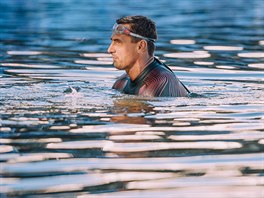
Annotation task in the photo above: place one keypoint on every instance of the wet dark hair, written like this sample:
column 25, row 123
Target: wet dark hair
column 143, row 26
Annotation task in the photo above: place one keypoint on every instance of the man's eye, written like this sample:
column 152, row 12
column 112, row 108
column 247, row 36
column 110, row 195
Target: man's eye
column 117, row 42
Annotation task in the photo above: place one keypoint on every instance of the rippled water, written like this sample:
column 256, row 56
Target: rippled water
column 66, row 133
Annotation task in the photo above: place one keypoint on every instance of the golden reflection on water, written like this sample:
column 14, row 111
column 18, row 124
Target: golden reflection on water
column 130, row 111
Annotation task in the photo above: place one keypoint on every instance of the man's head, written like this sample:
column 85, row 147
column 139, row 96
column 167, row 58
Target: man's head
column 142, row 26
column 133, row 37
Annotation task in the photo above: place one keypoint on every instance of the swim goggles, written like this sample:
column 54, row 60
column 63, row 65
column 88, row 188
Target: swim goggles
column 121, row 29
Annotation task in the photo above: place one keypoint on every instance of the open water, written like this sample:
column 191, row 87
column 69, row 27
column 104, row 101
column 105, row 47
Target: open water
column 66, row 133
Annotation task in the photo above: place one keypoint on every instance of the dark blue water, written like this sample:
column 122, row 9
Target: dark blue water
column 66, row 133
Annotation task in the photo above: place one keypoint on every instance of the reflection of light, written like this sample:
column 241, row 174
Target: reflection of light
column 257, row 65
column 181, row 124
column 29, row 65
column 76, row 182
column 157, row 146
column 5, row 149
column 64, row 187
column 223, row 48
column 24, row 52
column 225, row 67
column 94, row 62
column 105, row 119
column 39, row 157
column 194, row 163
column 247, row 136
column 150, row 133
column 84, row 144
column 98, row 114
column 261, row 42
column 41, row 140
column 133, row 137
column 96, row 55
column 202, row 182
column 176, row 68
column 261, row 141
column 101, row 68
column 188, row 119
column 5, row 129
column 200, row 191
column 105, row 59
column 182, row 42
column 194, row 54
column 60, row 128
column 8, row 181
column 25, row 121
column 203, row 63
column 251, row 55
column 114, row 128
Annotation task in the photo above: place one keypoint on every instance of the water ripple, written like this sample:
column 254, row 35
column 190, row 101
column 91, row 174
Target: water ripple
column 66, row 133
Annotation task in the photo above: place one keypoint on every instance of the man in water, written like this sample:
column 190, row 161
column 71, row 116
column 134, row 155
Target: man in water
column 132, row 49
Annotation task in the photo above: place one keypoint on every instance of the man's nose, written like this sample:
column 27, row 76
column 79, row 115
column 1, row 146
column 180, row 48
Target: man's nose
column 110, row 49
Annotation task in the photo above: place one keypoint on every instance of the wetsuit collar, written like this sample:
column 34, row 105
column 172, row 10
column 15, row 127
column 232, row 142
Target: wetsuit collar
column 149, row 65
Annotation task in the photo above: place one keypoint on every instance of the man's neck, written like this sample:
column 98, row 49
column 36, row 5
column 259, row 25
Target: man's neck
column 139, row 66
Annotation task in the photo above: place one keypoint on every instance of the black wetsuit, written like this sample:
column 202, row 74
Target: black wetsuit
column 156, row 80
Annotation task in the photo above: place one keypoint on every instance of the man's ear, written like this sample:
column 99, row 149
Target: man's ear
column 142, row 46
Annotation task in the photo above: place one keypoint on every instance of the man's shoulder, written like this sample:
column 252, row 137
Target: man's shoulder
column 161, row 73
column 123, row 77
column 121, row 82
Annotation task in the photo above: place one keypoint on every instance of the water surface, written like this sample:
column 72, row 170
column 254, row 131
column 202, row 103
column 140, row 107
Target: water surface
column 66, row 133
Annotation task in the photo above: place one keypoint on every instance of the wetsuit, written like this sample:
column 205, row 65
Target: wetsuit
column 156, row 80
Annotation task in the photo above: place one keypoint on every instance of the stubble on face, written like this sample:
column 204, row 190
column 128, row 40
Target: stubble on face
column 124, row 53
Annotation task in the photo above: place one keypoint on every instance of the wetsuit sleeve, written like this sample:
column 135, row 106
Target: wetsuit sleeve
column 163, row 86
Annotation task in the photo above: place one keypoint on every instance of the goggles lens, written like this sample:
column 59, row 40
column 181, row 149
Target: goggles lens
column 121, row 29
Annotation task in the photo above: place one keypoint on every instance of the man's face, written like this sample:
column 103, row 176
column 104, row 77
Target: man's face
column 123, row 51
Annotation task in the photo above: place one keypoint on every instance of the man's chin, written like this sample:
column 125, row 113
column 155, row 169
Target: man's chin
column 117, row 66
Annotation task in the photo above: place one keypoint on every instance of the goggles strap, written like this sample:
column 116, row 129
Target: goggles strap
column 121, row 29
